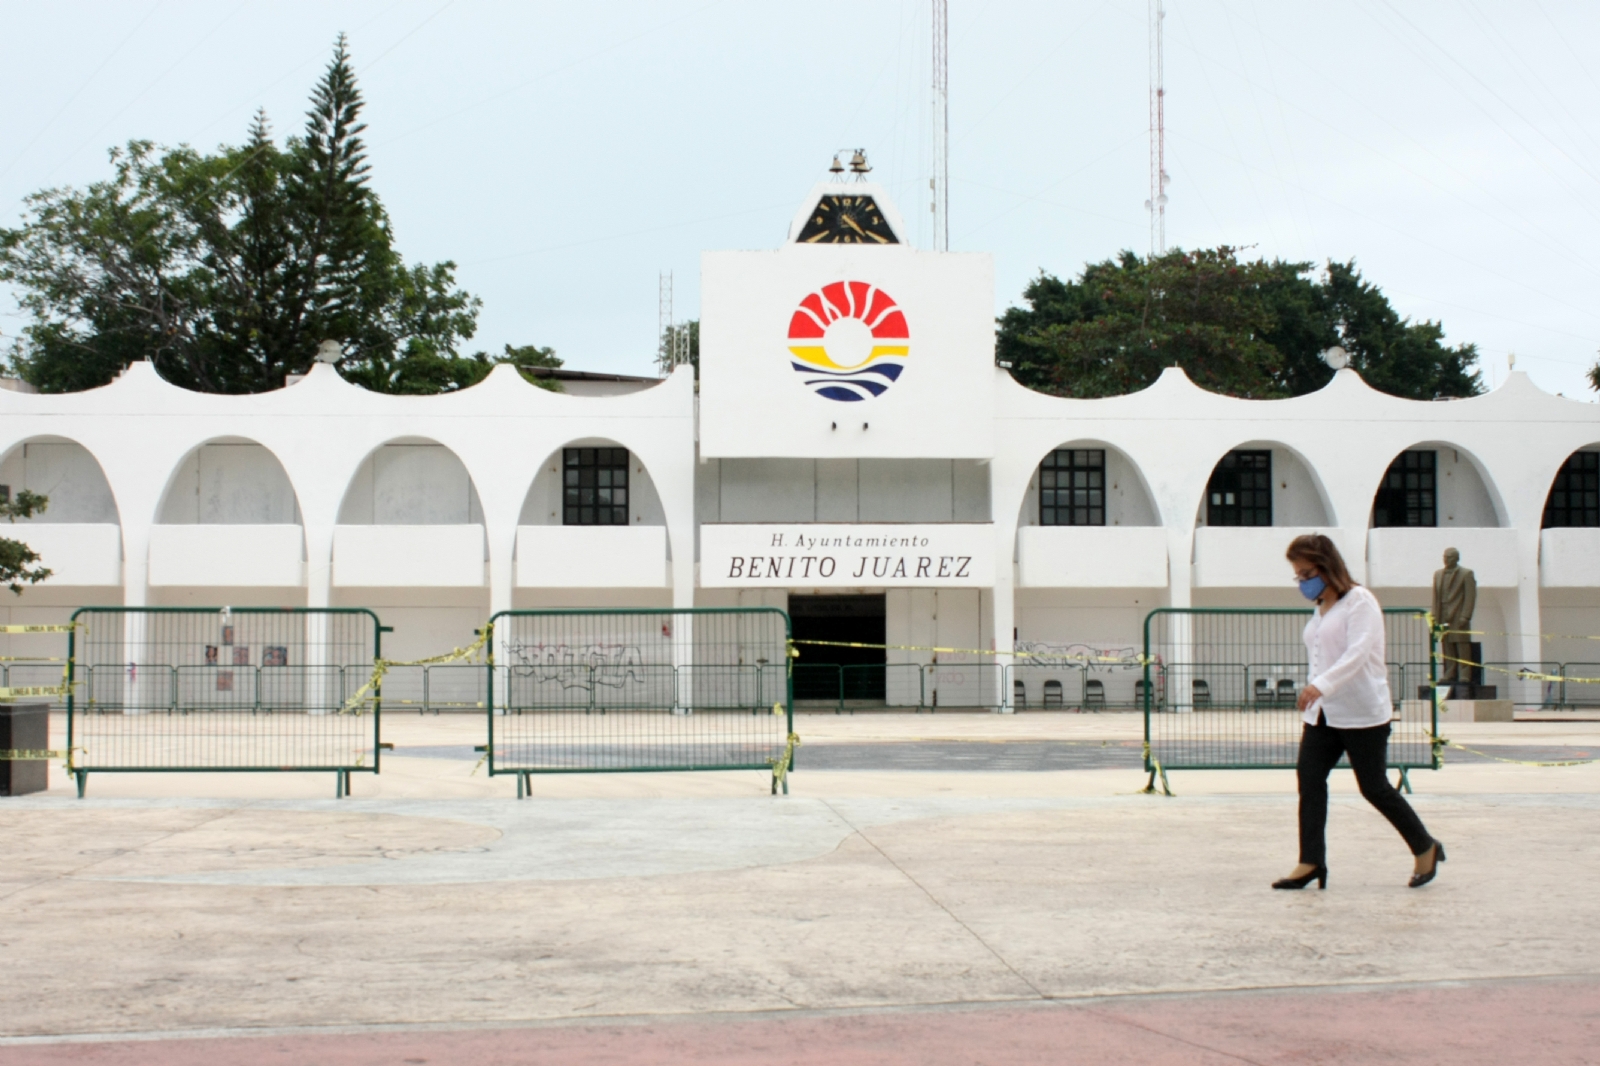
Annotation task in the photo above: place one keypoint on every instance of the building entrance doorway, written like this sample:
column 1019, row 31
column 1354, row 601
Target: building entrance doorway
column 836, row 674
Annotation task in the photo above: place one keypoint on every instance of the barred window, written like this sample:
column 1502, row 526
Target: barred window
column 1409, row 493
column 596, row 482
column 1072, row 488
column 1240, row 490
column 1575, row 496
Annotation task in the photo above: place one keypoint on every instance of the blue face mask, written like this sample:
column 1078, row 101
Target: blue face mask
column 1312, row 587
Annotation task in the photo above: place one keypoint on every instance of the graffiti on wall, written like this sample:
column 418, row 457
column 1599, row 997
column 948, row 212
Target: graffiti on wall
column 581, row 666
column 1095, row 657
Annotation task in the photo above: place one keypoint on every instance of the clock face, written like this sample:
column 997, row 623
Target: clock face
column 846, row 220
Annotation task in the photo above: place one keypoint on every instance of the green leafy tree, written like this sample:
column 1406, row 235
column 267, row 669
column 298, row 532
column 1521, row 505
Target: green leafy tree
column 15, row 556
column 425, row 372
column 227, row 270
column 671, row 343
column 1245, row 328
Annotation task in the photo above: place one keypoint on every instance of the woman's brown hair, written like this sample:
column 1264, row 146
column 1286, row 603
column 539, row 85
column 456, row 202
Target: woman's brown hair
column 1320, row 552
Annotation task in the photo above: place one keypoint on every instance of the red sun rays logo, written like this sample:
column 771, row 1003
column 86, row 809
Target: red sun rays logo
column 849, row 341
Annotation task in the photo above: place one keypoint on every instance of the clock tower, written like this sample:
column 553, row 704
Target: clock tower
column 856, row 212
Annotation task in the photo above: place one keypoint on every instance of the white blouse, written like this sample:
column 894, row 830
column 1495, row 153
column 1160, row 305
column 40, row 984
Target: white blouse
column 1346, row 648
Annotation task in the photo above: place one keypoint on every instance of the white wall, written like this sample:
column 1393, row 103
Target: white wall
column 1463, row 498
column 411, row 484
column 1296, row 500
column 410, row 556
column 76, row 553
column 230, row 483
column 1569, row 558
column 1091, row 557
column 552, row 556
column 546, row 496
column 1407, row 557
column 842, row 490
column 227, row 554
column 66, row 473
column 1128, row 502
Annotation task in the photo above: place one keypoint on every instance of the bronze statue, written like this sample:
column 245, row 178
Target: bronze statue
column 1455, row 594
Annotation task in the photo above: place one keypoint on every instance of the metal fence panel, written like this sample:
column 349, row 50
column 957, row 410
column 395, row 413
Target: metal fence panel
column 45, row 673
column 242, row 688
column 1579, row 687
column 1219, row 688
column 576, row 691
column 1529, row 686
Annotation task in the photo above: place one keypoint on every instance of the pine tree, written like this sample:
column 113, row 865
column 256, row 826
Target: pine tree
column 346, row 242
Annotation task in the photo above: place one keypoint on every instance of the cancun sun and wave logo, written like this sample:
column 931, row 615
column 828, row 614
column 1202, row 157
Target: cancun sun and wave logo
column 849, row 341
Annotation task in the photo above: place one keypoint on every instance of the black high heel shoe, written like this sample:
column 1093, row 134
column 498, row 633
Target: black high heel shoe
column 1418, row 880
column 1319, row 875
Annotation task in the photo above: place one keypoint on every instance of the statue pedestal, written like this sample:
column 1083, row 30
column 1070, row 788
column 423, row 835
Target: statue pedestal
column 1456, row 711
column 1475, row 711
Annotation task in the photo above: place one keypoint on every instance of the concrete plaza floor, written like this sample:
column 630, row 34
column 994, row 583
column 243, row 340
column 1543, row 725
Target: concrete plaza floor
column 929, row 915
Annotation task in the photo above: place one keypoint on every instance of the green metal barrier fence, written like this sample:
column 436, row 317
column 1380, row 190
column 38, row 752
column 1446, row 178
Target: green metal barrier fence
column 1220, row 684
column 595, row 691
column 43, row 673
column 851, row 686
column 154, row 689
column 433, row 688
column 1579, row 687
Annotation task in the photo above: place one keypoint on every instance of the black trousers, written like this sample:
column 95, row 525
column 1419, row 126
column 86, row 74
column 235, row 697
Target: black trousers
column 1320, row 748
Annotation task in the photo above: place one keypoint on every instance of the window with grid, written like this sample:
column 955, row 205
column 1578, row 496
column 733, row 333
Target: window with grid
column 1409, row 493
column 1240, row 490
column 1072, row 488
column 1575, row 496
column 596, row 482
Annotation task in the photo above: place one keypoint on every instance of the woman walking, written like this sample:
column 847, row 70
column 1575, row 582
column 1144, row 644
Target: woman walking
column 1347, row 709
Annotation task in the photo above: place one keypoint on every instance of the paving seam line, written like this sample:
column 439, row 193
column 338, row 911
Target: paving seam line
column 1082, row 1001
column 935, row 900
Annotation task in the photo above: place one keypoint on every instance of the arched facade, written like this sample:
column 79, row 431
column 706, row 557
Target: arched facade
column 79, row 533
column 228, row 518
column 439, row 510
column 1440, row 481
column 64, row 471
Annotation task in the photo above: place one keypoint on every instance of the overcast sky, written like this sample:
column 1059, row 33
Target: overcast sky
column 564, row 154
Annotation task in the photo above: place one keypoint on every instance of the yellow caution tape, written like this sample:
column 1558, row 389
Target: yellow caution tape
column 780, row 765
column 1139, row 660
column 1439, row 689
column 30, row 659
column 1150, row 788
column 381, row 667
column 1442, row 742
column 68, row 628
column 29, row 691
column 1523, row 674
column 39, row 755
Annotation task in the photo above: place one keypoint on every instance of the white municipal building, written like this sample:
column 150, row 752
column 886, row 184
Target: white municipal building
column 853, row 454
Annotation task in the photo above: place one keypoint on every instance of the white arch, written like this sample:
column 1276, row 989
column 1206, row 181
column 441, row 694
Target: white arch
column 88, row 499
column 1119, row 466
column 411, row 480
column 1281, row 489
column 238, row 490
column 1462, row 463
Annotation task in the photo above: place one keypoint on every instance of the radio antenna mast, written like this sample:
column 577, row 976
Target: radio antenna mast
column 940, row 182
column 664, row 338
column 1157, row 204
